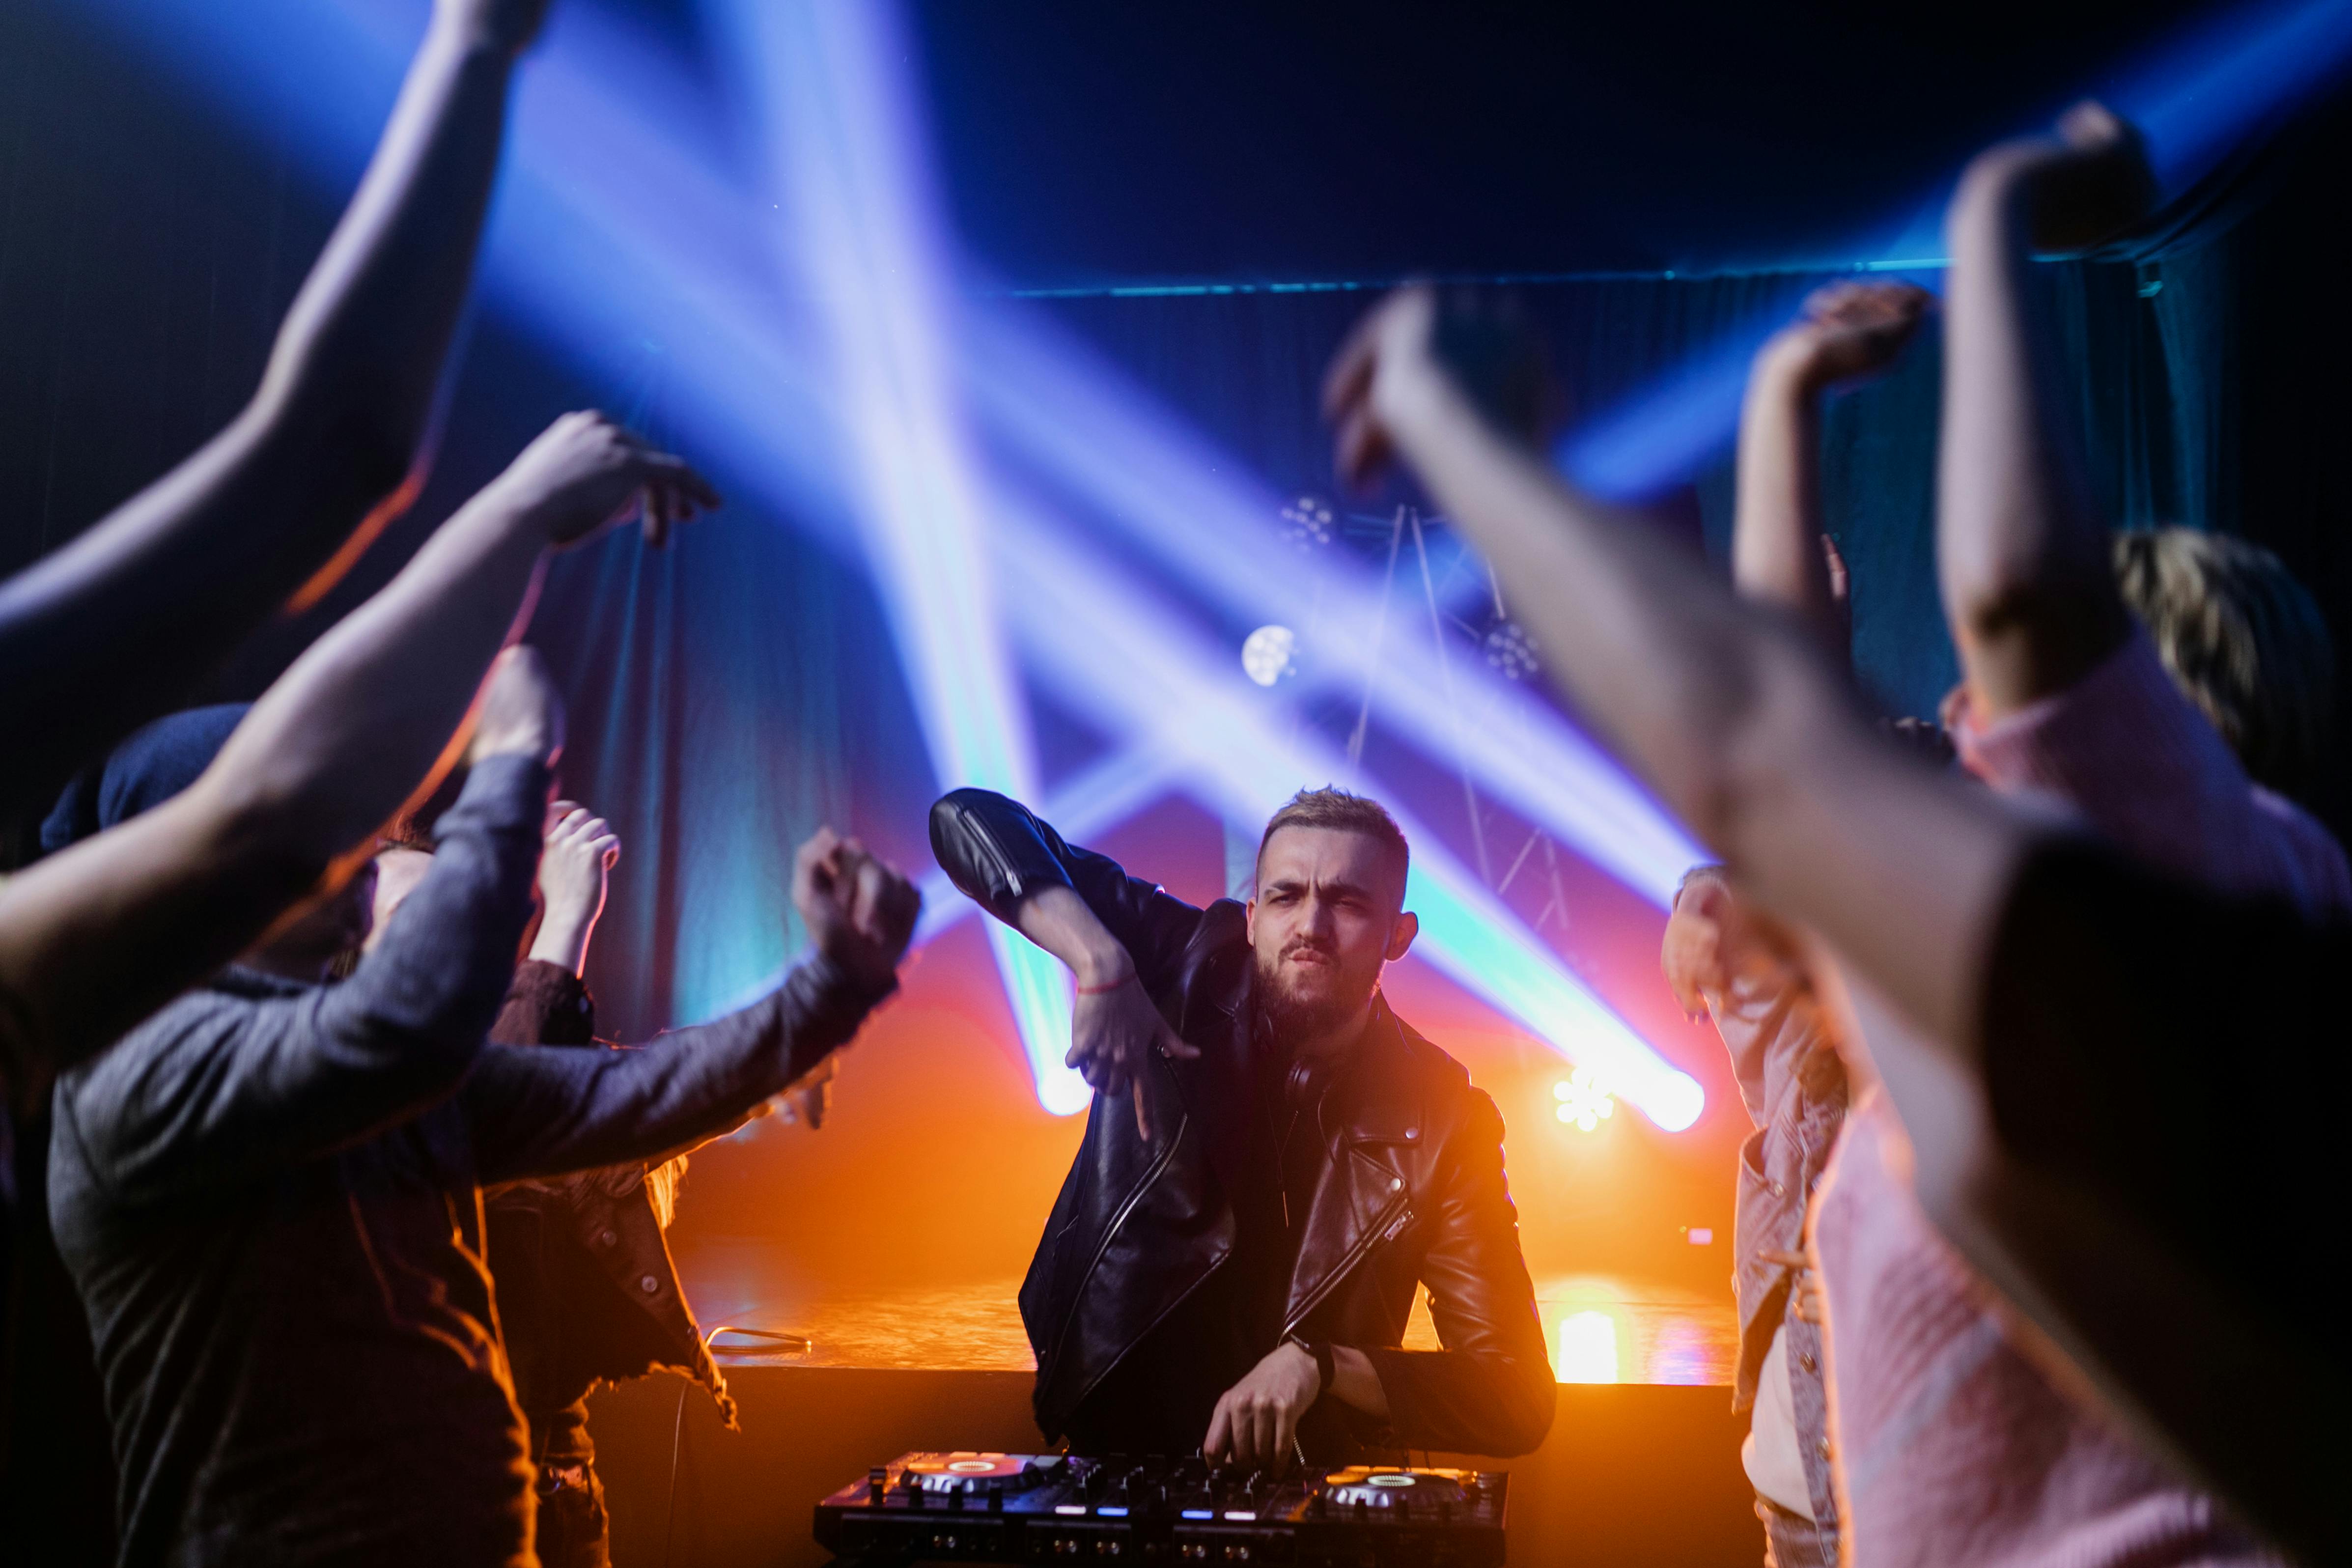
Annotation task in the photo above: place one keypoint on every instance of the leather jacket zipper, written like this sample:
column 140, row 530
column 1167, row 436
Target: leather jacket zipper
column 1110, row 1231
column 1387, row 1228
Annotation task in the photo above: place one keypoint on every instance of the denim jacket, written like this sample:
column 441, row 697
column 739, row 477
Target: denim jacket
column 1795, row 1090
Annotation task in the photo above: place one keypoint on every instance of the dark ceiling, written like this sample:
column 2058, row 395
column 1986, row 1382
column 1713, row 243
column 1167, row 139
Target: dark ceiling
column 1088, row 144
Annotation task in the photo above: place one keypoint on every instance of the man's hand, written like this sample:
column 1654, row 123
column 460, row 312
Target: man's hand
column 2083, row 186
column 1713, row 937
column 578, row 848
column 1691, row 955
column 1114, row 1033
column 521, row 714
column 585, row 473
column 860, row 911
column 1846, row 330
column 1256, row 1420
column 1414, row 344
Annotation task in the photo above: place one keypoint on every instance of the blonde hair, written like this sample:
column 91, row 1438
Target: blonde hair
column 1331, row 806
column 2242, row 638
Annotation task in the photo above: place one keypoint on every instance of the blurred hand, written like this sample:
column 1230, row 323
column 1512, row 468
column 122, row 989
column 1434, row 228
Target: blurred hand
column 2082, row 186
column 1713, row 938
column 1115, row 1031
column 508, row 25
column 585, row 473
column 859, row 910
column 1257, row 1421
column 1691, row 955
column 1415, row 341
column 521, row 713
column 1848, row 331
column 580, row 847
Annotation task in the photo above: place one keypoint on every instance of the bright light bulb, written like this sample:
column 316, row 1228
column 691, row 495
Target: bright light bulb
column 1266, row 656
column 1585, row 1102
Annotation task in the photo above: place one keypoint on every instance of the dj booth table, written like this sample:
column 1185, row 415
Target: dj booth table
column 1631, row 1472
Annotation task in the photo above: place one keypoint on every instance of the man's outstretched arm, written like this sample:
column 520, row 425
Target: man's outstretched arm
column 2022, row 554
column 121, row 623
column 94, row 938
column 547, row 1112
column 1732, row 714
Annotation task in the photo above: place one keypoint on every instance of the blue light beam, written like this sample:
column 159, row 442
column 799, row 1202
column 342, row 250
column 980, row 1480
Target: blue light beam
column 855, row 229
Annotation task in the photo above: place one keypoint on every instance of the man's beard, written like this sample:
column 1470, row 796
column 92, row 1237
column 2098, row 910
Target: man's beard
column 1293, row 1018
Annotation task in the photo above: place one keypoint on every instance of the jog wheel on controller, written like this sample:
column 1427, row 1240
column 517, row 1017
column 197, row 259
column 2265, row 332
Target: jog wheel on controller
column 969, row 1471
column 1380, row 1486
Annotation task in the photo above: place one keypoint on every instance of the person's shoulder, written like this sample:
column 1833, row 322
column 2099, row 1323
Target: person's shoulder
column 2320, row 879
column 1444, row 1084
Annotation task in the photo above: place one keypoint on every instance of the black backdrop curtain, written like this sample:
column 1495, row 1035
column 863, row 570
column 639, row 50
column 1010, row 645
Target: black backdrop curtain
column 726, row 696
column 2212, row 369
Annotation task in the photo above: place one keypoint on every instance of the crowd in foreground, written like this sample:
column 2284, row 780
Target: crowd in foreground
column 354, row 1232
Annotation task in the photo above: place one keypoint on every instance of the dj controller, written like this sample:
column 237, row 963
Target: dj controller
column 1052, row 1510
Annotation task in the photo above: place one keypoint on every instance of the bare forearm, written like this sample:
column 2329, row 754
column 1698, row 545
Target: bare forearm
column 2023, row 559
column 1741, row 728
column 373, row 713
column 1776, row 537
column 1058, row 921
column 194, row 561
column 562, row 940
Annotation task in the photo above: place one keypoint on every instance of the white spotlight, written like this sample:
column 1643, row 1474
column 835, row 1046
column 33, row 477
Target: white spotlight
column 1265, row 657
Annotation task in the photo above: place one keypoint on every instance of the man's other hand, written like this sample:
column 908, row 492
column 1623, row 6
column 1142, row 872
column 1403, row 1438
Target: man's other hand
column 1114, row 1033
column 859, row 910
column 521, row 713
column 578, row 848
column 1848, row 331
column 1713, row 938
column 584, row 474
column 1256, row 1420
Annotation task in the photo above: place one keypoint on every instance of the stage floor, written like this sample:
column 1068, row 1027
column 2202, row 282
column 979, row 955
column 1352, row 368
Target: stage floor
column 1600, row 1328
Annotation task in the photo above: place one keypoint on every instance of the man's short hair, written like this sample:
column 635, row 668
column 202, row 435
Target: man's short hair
column 2243, row 638
column 1333, row 807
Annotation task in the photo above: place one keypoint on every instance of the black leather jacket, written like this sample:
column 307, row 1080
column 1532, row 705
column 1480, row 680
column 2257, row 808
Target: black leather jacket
column 1414, row 1191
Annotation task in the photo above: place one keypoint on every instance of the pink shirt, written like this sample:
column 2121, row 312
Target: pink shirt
column 1952, row 1448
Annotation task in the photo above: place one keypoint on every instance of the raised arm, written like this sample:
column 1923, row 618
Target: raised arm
column 95, row 937
column 244, row 1090
column 124, row 620
column 1122, row 937
column 2028, row 585
column 545, row 1112
column 1734, row 717
column 1779, row 552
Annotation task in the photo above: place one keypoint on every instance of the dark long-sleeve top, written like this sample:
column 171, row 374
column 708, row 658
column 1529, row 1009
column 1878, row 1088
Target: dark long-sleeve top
column 269, row 1196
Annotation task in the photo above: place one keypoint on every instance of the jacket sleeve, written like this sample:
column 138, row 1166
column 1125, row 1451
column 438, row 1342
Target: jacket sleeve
column 998, row 852
column 546, row 1004
column 1491, row 1389
column 231, row 1090
column 548, row 1113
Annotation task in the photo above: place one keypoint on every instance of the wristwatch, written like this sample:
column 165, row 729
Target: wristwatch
column 1325, row 1368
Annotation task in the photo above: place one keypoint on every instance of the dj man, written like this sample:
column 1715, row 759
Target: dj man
column 1231, row 1263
